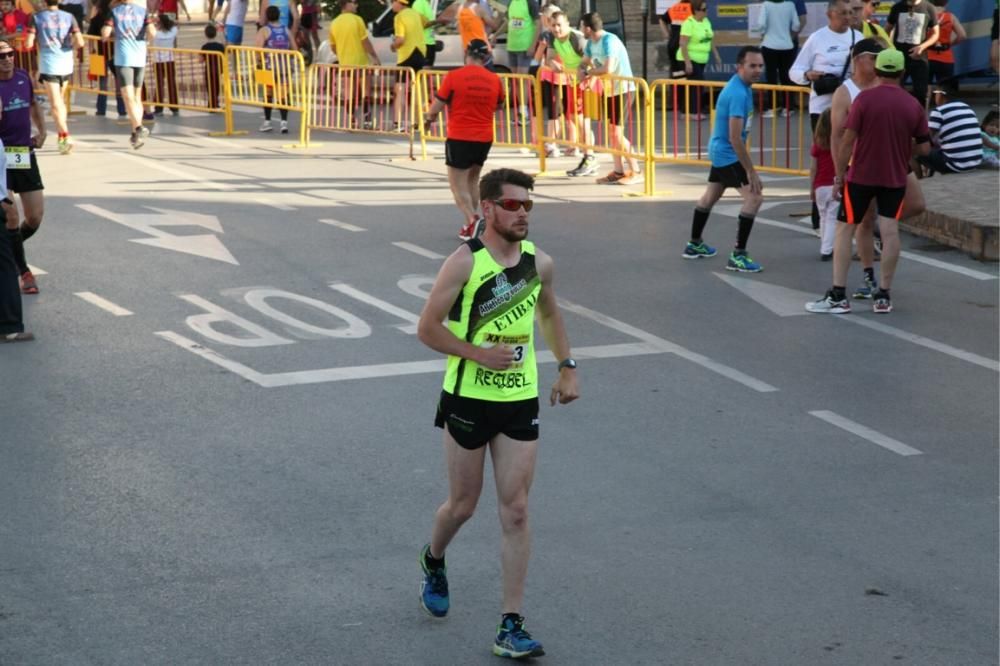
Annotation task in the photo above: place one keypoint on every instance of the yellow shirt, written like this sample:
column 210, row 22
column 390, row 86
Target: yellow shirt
column 347, row 32
column 410, row 26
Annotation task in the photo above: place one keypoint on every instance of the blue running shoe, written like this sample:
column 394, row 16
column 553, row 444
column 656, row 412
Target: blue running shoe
column 866, row 290
column 434, row 589
column 514, row 641
column 743, row 263
column 698, row 251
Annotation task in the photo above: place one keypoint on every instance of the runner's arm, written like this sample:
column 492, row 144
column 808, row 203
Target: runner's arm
column 38, row 120
column 553, row 329
column 29, row 41
column 927, row 43
column 432, row 332
column 958, row 31
column 78, row 40
column 740, row 148
column 838, row 116
column 369, row 49
column 842, row 157
column 106, row 31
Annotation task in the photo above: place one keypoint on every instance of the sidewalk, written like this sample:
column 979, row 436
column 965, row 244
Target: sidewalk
column 961, row 212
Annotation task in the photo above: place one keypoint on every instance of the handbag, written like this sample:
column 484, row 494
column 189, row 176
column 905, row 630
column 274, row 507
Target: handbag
column 828, row 83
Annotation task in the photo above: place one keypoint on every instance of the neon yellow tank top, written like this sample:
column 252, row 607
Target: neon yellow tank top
column 496, row 306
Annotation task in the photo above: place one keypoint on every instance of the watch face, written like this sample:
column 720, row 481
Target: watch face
column 568, row 363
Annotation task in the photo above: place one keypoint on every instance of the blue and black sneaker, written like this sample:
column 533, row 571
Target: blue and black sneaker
column 741, row 261
column 514, row 641
column 698, row 251
column 434, row 589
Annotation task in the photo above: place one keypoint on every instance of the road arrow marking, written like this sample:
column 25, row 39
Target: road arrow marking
column 784, row 302
column 201, row 245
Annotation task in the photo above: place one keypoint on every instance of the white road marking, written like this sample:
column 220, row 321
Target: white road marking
column 154, row 164
column 342, row 225
column 35, row 270
column 348, row 290
column 274, row 204
column 865, row 432
column 416, row 249
column 786, row 302
column 669, row 347
column 733, row 211
column 103, row 303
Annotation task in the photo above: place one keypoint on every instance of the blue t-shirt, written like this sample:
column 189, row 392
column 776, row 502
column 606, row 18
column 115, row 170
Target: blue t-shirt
column 609, row 46
column 286, row 14
column 55, row 46
column 130, row 21
column 735, row 101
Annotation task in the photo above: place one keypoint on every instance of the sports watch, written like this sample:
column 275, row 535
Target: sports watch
column 567, row 363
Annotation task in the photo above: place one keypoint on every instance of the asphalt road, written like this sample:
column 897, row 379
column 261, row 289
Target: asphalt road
column 220, row 448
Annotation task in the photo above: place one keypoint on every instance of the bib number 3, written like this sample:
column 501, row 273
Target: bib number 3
column 18, row 157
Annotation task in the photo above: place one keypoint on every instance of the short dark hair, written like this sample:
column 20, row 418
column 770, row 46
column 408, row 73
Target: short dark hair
column 273, row 13
column 211, row 31
column 742, row 55
column 51, row 3
column 991, row 117
column 592, row 20
column 165, row 21
column 491, row 185
column 939, row 3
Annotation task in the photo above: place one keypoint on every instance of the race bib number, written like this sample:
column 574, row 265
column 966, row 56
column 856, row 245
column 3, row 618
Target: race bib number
column 18, row 157
column 516, row 23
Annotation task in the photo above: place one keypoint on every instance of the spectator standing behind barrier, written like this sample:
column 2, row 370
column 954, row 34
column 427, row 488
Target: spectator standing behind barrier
column 234, row 15
column 166, row 68
column 941, row 56
column 878, row 144
column 957, row 144
column 605, row 55
column 310, row 13
column 913, row 28
column 472, row 94
column 100, row 12
column 778, row 23
column 131, row 27
column 990, row 133
column 564, row 95
column 824, row 61
column 349, row 40
column 409, row 45
column 19, row 113
column 523, row 27
column 731, row 164
column 15, row 22
column 11, row 311
column 869, row 25
column 423, row 7
column 696, row 46
column 213, row 66
column 57, row 35
column 274, row 36
column 670, row 25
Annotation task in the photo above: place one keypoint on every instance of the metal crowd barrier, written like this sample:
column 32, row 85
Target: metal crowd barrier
column 788, row 108
column 513, row 121
column 374, row 100
column 584, row 115
column 273, row 78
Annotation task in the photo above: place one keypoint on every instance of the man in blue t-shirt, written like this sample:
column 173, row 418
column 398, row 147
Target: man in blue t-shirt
column 57, row 34
column 731, row 163
column 606, row 55
column 131, row 27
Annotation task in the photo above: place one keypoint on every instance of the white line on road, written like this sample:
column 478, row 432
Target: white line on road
column 35, row 270
column 669, row 347
column 416, row 249
column 955, row 352
column 906, row 254
column 342, row 225
column 865, row 432
column 274, row 204
column 154, row 164
column 103, row 303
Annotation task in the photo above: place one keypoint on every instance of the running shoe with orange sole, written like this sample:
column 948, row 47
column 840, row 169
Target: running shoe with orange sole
column 28, row 284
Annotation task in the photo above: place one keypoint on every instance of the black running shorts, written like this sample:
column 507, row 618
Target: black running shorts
column 473, row 423
column 857, row 198
column 415, row 62
column 55, row 78
column 731, row 175
column 460, row 154
column 617, row 108
column 25, row 180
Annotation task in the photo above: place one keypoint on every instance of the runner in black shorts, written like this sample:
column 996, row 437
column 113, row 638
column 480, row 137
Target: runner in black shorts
column 732, row 175
column 463, row 155
column 20, row 113
column 616, row 107
column 473, row 423
column 857, row 198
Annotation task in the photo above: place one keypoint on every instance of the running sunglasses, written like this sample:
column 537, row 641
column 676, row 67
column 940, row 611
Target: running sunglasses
column 7, row 54
column 511, row 205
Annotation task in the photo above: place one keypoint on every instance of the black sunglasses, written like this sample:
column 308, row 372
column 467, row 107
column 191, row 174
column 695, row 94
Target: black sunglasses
column 511, row 205
column 6, row 55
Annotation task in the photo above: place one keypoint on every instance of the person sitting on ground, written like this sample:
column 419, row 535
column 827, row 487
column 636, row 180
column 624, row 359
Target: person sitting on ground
column 955, row 133
column 990, row 133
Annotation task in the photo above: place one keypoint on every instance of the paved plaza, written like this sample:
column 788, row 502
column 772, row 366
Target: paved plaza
column 220, row 449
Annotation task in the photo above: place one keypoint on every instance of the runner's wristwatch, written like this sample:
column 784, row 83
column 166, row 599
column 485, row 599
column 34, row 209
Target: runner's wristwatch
column 567, row 363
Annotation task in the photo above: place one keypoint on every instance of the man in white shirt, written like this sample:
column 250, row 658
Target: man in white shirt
column 826, row 53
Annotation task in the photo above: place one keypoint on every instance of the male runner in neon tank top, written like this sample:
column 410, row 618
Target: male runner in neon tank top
column 488, row 290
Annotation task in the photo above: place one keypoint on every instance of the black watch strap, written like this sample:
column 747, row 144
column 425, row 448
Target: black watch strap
column 567, row 363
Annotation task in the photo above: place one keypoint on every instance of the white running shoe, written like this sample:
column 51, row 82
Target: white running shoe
column 829, row 305
column 266, row 126
column 284, row 127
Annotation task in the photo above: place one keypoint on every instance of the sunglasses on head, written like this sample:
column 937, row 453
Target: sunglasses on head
column 511, row 205
column 6, row 54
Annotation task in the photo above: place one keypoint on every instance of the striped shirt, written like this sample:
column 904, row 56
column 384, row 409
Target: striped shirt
column 958, row 133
